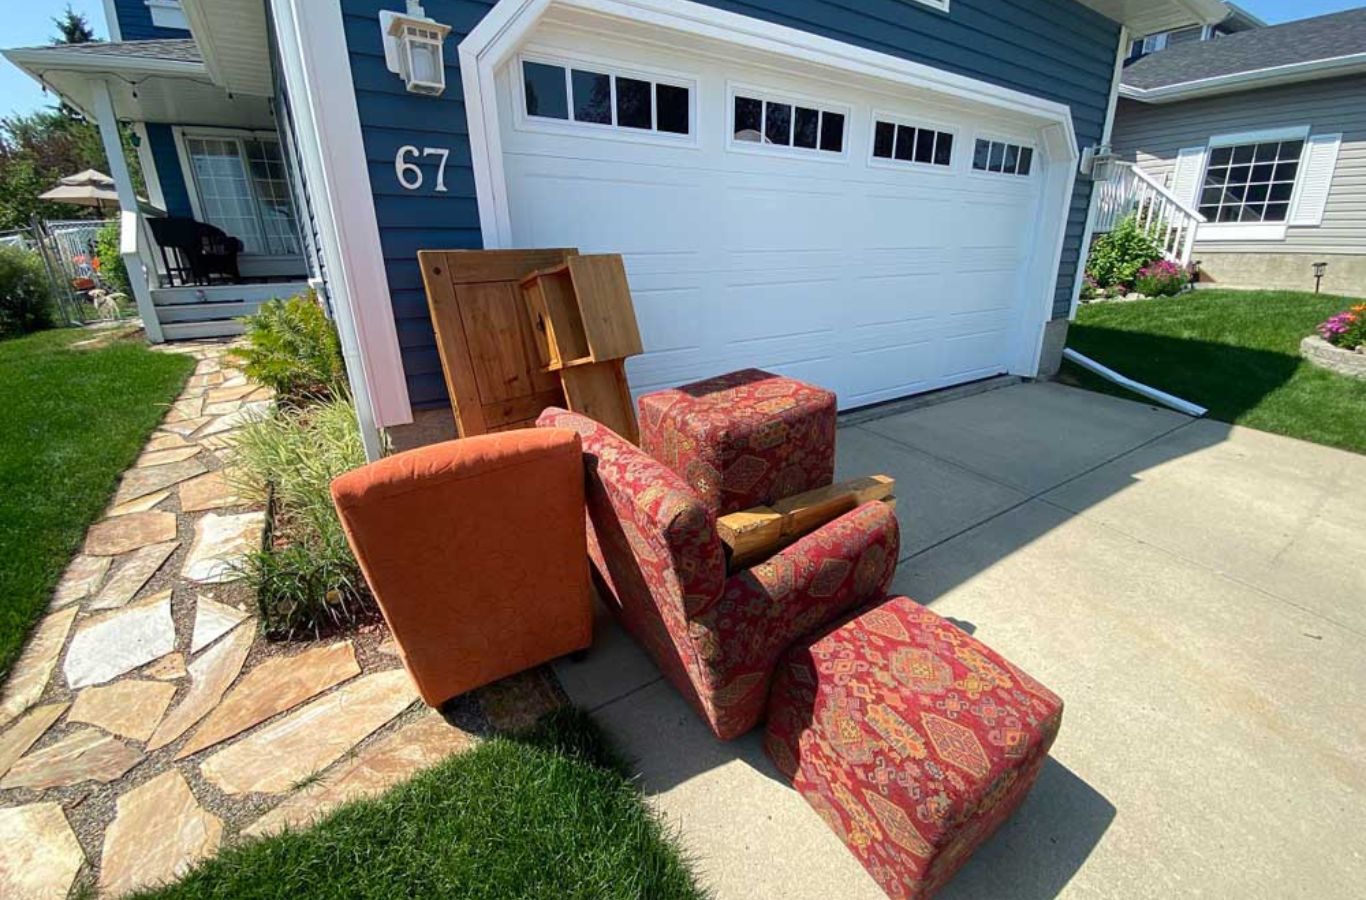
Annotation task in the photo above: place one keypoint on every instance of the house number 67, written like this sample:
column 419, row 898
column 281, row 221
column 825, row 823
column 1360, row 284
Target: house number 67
column 410, row 173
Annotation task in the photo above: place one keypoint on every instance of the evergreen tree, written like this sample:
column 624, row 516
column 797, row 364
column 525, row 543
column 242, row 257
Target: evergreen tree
column 73, row 28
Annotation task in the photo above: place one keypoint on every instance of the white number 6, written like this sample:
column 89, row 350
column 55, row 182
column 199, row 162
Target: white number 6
column 409, row 174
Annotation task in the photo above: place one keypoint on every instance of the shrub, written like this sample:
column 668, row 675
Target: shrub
column 109, row 261
column 1161, row 279
column 308, row 579
column 1346, row 329
column 293, row 347
column 1089, row 289
column 1117, row 257
column 25, row 293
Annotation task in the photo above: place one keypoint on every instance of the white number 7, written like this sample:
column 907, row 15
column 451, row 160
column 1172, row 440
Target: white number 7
column 445, row 154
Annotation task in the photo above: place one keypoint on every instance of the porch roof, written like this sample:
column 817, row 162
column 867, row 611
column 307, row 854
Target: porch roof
column 150, row 81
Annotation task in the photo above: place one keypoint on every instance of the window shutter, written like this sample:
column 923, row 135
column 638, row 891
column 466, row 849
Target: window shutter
column 1319, row 162
column 1190, row 168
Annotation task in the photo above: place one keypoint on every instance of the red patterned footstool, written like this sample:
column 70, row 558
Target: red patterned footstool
column 745, row 439
column 911, row 739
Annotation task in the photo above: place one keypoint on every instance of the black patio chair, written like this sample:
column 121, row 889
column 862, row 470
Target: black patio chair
column 196, row 253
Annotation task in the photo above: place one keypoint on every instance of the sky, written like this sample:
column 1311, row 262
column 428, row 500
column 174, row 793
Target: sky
column 28, row 23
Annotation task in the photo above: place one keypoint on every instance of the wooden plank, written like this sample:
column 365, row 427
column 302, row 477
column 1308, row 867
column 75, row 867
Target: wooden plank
column 599, row 391
column 485, row 337
column 477, row 266
column 754, row 534
column 605, row 307
column 461, row 385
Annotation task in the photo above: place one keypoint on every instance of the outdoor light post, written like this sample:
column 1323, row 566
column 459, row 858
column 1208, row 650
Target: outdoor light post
column 1319, row 268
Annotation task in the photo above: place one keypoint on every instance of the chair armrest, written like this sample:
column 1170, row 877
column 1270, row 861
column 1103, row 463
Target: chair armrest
column 840, row 566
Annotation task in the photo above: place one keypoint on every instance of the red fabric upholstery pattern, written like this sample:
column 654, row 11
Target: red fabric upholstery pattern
column 744, row 439
column 662, row 569
column 911, row 739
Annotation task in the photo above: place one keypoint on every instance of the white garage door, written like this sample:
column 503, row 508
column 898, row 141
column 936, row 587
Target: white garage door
column 831, row 230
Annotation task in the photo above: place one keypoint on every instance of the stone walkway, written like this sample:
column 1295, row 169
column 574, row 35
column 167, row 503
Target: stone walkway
column 147, row 723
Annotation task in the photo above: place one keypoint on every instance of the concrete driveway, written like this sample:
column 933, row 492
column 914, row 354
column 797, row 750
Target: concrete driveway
column 1195, row 592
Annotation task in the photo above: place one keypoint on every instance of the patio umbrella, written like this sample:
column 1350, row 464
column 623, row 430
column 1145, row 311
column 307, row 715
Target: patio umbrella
column 89, row 188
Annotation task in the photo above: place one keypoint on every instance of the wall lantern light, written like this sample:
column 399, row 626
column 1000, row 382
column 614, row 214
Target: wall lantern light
column 412, row 48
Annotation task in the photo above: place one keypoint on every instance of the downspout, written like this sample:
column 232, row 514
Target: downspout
column 1106, row 134
column 1152, row 393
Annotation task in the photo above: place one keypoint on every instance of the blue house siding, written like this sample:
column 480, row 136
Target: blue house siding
column 1019, row 44
column 135, row 23
column 169, row 173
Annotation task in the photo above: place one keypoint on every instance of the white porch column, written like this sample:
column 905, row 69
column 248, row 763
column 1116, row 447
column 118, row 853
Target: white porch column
column 102, row 102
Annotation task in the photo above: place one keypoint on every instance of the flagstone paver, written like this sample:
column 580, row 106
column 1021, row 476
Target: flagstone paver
column 130, row 708
column 40, row 856
column 15, row 742
column 168, row 668
column 162, row 457
column 249, row 412
column 220, row 545
column 125, row 533
column 212, row 620
column 211, row 490
column 135, row 571
column 139, row 504
column 80, row 579
column 305, row 742
column 120, row 642
column 186, row 427
column 164, row 441
column 273, row 687
column 403, row 754
column 210, row 676
column 30, row 674
column 221, row 395
column 158, row 833
column 87, row 754
column 141, row 482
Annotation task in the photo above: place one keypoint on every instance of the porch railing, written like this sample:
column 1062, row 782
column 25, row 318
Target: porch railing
column 1123, row 189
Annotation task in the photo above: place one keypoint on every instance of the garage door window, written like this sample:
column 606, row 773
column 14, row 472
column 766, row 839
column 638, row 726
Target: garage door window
column 775, row 123
column 1002, row 157
column 589, row 95
column 910, row 144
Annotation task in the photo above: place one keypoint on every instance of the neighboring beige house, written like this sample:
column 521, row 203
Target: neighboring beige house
column 1263, row 133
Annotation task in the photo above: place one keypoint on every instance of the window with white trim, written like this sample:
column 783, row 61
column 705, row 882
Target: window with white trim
column 781, row 123
column 243, row 189
column 1250, row 182
column 588, row 94
column 1002, row 157
column 911, row 144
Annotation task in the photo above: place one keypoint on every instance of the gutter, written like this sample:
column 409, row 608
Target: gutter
column 1152, row 393
column 37, row 60
column 1241, row 81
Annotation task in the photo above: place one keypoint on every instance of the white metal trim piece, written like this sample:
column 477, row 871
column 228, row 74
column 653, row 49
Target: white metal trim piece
column 1211, row 232
column 498, row 36
column 111, row 20
column 1261, row 136
column 1152, row 393
column 317, row 74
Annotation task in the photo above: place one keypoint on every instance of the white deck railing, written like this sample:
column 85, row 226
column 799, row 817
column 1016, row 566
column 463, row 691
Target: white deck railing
column 1123, row 189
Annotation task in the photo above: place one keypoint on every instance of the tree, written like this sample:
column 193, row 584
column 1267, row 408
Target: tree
column 73, row 28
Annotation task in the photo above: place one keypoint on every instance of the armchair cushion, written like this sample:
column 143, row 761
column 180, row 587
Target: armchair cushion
column 843, row 565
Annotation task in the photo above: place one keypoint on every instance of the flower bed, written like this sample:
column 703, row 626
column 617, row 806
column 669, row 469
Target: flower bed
column 1336, row 359
column 1347, row 329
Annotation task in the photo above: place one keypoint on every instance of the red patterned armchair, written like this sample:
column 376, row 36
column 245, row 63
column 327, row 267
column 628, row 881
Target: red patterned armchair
column 662, row 568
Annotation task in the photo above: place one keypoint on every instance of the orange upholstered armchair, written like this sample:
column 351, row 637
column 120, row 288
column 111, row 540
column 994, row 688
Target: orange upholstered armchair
column 662, row 569
column 475, row 550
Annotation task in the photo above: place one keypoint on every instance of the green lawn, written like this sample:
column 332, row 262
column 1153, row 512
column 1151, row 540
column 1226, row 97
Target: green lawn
column 70, row 422
column 551, row 814
column 1235, row 352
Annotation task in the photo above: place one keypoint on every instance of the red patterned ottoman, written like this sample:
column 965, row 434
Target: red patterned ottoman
column 911, row 739
column 745, row 439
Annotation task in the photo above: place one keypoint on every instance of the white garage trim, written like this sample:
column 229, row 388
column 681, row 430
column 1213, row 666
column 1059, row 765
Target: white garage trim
column 508, row 24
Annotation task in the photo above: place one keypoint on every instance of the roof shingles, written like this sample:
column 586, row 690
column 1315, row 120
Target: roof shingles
column 178, row 50
column 1307, row 40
